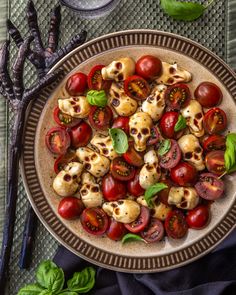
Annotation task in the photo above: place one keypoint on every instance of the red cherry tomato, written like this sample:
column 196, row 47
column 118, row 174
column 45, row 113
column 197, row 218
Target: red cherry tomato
column 163, row 194
column 95, row 80
column 57, row 140
column 122, row 123
column 121, row 170
column 209, row 186
column 141, row 222
column 76, row 84
column 100, row 118
column 167, row 125
column 155, row 136
column 177, row 96
column 136, row 87
column 154, row 232
column 215, row 121
column 116, row 230
column 113, row 189
column 198, row 217
column 64, row 120
column 208, row 94
column 70, row 207
column 63, row 160
column 133, row 157
column 172, row 157
column 175, row 224
column 80, row 135
column 184, row 174
column 148, row 67
column 214, row 142
column 215, row 162
column 94, row 221
column 134, row 187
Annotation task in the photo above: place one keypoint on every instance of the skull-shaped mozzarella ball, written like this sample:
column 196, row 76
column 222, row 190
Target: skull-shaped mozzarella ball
column 183, row 197
column 86, row 177
column 172, row 74
column 77, row 107
column 155, row 103
column 121, row 103
column 94, row 163
column 124, row 211
column 104, row 145
column 119, row 70
column 192, row 151
column 194, row 117
column 66, row 181
column 140, row 125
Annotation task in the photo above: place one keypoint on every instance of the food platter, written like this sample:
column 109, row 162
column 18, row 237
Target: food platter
column 37, row 162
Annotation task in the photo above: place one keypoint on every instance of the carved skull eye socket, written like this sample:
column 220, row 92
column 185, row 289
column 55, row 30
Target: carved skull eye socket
column 67, row 177
column 119, row 65
column 172, row 70
column 115, row 102
column 93, row 157
column 188, row 155
column 94, row 189
column 170, row 81
column 117, row 211
column 198, row 150
column 133, row 131
column 87, row 166
column 145, row 131
column 116, row 94
column 198, row 116
column 84, row 192
column 120, row 77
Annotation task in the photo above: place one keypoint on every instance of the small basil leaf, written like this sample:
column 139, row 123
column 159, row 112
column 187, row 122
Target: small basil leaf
column 32, row 289
column 230, row 153
column 131, row 238
column 67, row 293
column 97, row 98
column 82, row 282
column 180, row 124
column 119, row 140
column 152, row 191
column 164, row 147
column 46, row 292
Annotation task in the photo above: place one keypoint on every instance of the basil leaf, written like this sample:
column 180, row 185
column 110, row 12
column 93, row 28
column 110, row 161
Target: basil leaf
column 97, row 98
column 67, row 293
column 46, row 292
column 164, row 147
column 32, row 289
column 119, row 140
column 180, row 124
column 131, row 238
column 230, row 153
column 83, row 281
column 152, row 191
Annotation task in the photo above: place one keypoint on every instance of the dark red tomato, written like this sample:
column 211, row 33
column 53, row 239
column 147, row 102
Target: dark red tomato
column 133, row 157
column 57, row 140
column 100, row 118
column 155, row 136
column 184, row 174
column 136, row 87
column 121, row 170
column 208, row 94
column 154, row 231
column 177, row 96
column 116, row 230
column 215, row 162
column 215, row 121
column 63, row 160
column 141, row 222
column 134, row 187
column 70, row 207
column 163, row 194
column 175, row 224
column 198, row 217
column 113, row 189
column 64, row 120
column 214, row 142
column 95, row 80
column 209, row 186
column 122, row 123
column 94, row 221
column 148, row 67
column 167, row 125
column 172, row 157
column 76, row 84
column 80, row 135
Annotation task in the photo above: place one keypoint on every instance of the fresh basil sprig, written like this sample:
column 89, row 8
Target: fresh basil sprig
column 131, row 238
column 97, row 98
column 152, row 191
column 230, row 153
column 119, row 140
column 180, row 124
column 164, row 147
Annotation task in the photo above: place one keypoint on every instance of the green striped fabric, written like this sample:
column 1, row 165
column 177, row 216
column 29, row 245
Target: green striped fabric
column 231, row 34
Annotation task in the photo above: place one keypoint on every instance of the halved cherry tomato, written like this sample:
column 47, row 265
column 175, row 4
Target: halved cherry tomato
column 95, row 80
column 198, row 217
column 76, row 84
column 133, row 157
column 155, row 136
column 154, row 231
column 94, row 221
column 121, row 170
column 116, row 230
column 113, row 189
column 215, row 121
column 215, row 162
column 134, row 186
column 100, row 118
column 136, row 87
column 177, row 96
column 63, row 160
column 80, row 135
column 172, row 157
column 64, row 120
column 167, row 125
column 122, row 123
column 208, row 94
column 209, row 186
column 148, row 66
column 175, row 224
column 184, row 174
column 141, row 222
column 214, row 142
column 57, row 140
column 70, row 207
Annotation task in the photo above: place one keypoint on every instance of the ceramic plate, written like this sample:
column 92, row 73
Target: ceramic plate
column 37, row 162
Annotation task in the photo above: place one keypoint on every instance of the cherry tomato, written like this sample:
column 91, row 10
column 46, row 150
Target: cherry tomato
column 136, row 87
column 94, row 221
column 154, row 231
column 116, row 230
column 122, row 123
column 57, row 140
column 198, row 217
column 70, row 207
column 63, row 160
column 214, row 142
column 64, row 120
column 141, row 222
column 80, row 135
column 209, row 186
column 163, row 194
column 148, row 67
column 167, row 125
column 95, row 80
column 134, row 187
column 172, row 157
column 175, row 224
column 100, row 118
column 184, row 174
column 113, row 189
column 76, row 84
column 215, row 121
column 133, row 157
column 155, row 136
column 121, row 170
column 208, row 94
column 215, row 162
column 177, row 96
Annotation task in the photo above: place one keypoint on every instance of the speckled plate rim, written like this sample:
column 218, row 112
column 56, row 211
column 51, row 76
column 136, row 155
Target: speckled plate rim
column 29, row 175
